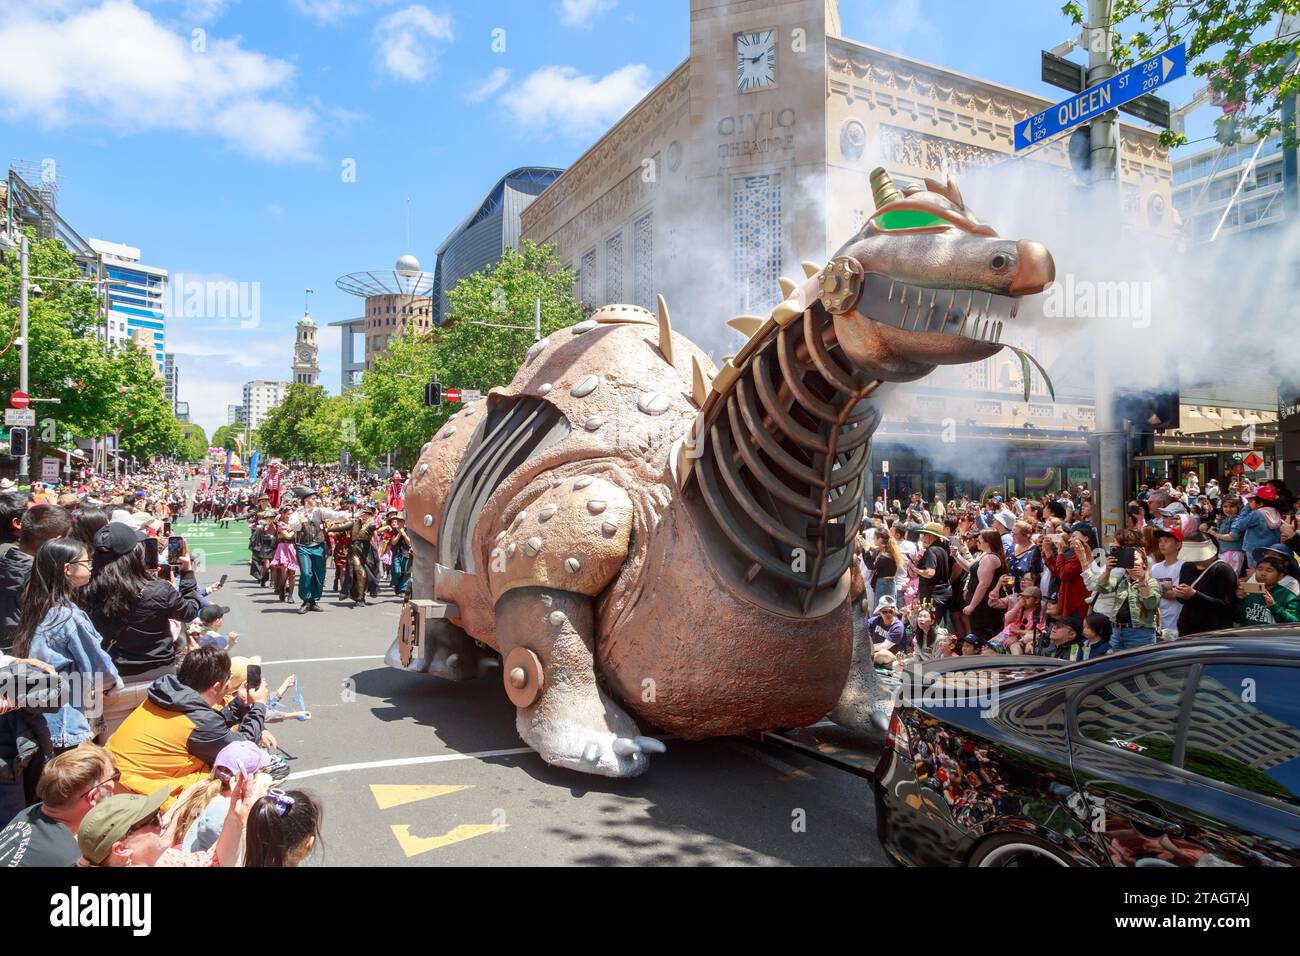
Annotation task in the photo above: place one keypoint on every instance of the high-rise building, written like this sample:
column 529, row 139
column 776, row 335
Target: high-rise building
column 1205, row 185
column 260, row 396
column 235, row 415
column 482, row 236
column 397, row 299
column 306, row 368
column 171, row 379
column 136, row 294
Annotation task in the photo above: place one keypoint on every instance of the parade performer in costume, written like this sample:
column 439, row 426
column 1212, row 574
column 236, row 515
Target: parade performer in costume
column 284, row 560
column 361, row 530
column 399, row 546
column 396, row 492
column 308, row 525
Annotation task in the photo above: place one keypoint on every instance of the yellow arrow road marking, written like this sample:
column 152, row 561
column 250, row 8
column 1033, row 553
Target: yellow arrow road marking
column 395, row 795
column 413, row 845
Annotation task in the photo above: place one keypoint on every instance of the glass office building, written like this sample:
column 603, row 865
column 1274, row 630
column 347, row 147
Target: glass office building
column 136, row 296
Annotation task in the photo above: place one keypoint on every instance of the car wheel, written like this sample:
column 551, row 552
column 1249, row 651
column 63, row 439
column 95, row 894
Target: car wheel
column 1018, row 850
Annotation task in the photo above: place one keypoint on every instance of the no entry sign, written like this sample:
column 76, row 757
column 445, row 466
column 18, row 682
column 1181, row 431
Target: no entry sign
column 19, row 399
column 452, row 394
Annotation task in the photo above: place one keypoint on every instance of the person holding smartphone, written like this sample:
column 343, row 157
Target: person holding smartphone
column 1264, row 599
column 1136, row 598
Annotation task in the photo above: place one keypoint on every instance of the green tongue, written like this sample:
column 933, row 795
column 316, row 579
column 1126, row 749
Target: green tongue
column 1025, row 360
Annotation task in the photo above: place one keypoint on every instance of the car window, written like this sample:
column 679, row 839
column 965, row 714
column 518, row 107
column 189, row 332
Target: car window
column 1136, row 712
column 1245, row 728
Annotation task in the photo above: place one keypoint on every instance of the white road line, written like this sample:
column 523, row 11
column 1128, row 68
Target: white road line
column 315, row 660
column 408, row 761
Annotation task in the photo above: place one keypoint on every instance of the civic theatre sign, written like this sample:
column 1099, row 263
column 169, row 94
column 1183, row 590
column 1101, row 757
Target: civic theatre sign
column 756, row 133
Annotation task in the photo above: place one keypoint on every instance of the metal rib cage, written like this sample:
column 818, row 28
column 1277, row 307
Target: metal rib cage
column 789, row 457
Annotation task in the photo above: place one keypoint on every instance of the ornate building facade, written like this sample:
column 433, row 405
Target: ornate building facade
column 736, row 167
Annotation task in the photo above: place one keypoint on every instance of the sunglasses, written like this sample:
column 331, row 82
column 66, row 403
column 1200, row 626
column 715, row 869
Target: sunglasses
column 150, row 822
column 117, row 775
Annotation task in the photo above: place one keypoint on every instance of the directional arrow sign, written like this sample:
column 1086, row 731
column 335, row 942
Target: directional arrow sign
column 1092, row 102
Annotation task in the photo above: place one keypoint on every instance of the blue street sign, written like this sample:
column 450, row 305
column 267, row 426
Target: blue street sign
column 1092, row 102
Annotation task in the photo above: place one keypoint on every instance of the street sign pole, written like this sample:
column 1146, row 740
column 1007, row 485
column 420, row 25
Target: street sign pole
column 24, row 288
column 1109, row 467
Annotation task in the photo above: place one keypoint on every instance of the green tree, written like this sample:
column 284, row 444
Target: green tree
column 470, row 354
column 390, row 414
column 193, row 446
column 1234, row 43
column 286, row 431
column 228, row 437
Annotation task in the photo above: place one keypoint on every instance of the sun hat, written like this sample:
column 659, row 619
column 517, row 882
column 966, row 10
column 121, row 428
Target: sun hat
column 1197, row 547
column 1278, row 551
column 934, row 528
column 886, row 602
column 241, row 758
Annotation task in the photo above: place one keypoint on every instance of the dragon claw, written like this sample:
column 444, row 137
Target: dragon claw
column 649, row 745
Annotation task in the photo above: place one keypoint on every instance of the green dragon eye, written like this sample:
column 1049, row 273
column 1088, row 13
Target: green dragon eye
column 908, row 219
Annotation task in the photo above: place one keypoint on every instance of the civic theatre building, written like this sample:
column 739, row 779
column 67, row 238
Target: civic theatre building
column 755, row 154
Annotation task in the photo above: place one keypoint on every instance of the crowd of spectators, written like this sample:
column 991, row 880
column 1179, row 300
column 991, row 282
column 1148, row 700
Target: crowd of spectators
column 129, row 735
column 1010, row 575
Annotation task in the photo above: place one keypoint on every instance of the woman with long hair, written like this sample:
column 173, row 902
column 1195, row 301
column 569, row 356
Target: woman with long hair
column 985, row 577
column 55, row 630
column 133, row 609
column 283, row 829
column 888, row 559
column 86, row 520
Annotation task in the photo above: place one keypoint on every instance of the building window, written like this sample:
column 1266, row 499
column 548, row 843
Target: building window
column 756, row 241
column 644, row 260
column 614, row 268
column 587, row 278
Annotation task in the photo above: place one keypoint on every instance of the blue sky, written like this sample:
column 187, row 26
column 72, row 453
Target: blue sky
column 213, row 134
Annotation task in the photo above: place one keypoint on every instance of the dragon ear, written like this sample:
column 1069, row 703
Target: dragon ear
column 883, row 189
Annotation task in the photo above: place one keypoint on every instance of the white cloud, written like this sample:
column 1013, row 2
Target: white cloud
column 580, row 13
column 407, row 41
column 113, row 64
column 204, row 11
column 327, row 11
column 559, row 99
column 489, row 86
column 275, row 209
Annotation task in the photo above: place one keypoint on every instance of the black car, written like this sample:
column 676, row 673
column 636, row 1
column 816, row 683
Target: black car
column 1178, row 754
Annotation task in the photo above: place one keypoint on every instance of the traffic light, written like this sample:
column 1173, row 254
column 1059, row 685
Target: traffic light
column 18, row 442
column 433, row 394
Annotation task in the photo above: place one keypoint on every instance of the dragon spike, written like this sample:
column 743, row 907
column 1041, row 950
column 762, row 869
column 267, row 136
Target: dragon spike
column 883, row 189
column 665, row 331
column 810, row 269
column 787, row 286
column 699, row 387
column 786, row 312
column 746, row 325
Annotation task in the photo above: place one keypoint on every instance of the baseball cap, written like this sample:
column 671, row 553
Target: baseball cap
column 1071, row 621
column 212, row 612
column 117, row 538
column 1264, row 493
column 111, row 819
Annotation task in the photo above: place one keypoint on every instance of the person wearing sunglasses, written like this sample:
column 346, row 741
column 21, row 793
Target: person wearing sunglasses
column 54, row 629
column 45, row 834
column 129, row 829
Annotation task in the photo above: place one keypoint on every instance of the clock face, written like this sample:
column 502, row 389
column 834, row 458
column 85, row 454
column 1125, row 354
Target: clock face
column 755, row 60
column 304, row 355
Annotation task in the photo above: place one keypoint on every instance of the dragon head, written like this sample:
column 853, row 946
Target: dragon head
column 925, row 283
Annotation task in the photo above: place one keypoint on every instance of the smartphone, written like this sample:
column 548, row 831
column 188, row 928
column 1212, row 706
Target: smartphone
column 254, row 679
column 175, row 548
column 222, row 582
column 1252, row 587
column 151, row 552
column 1124, row 557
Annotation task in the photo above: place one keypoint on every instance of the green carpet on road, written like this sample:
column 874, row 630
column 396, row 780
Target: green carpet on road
column 219, row 547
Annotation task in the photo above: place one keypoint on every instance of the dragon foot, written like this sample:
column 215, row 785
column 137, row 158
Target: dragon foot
column 549, row 672
column 446, row 651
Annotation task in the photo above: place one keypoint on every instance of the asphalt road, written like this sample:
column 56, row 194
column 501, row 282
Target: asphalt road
column 415, row 771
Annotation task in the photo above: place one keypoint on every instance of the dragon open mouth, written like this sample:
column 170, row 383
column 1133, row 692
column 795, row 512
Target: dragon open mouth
column 971, row 314
column 967, row 313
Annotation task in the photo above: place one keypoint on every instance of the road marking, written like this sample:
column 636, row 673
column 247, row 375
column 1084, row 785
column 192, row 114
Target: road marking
column 409, row 761
column 389, row 795
column 317, row 660
column 413, row 845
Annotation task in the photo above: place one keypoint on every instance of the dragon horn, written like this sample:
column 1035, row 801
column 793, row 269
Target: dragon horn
column 883, row 189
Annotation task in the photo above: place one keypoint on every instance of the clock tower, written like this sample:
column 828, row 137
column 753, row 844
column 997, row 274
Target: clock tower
column 306, row 369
